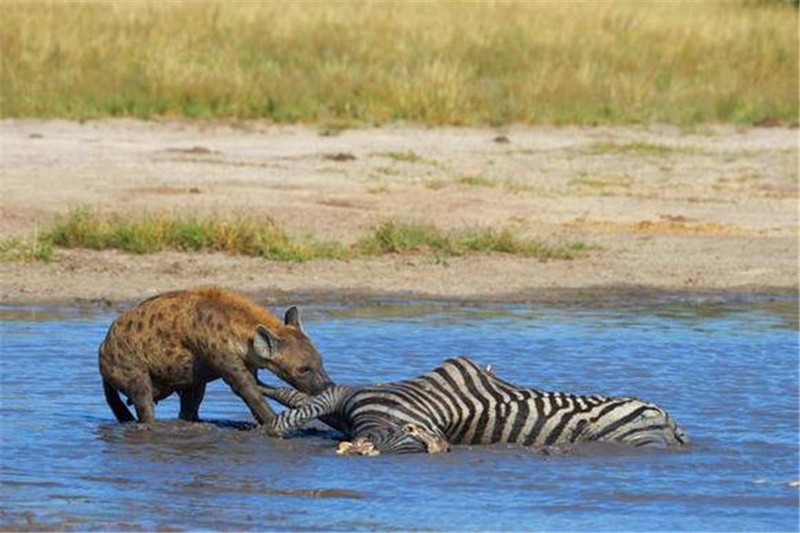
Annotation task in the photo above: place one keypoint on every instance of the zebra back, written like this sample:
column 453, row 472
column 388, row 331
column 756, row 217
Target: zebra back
column 470, row 405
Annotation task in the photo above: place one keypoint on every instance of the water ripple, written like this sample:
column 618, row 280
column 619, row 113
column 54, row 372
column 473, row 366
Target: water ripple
column 726, row 372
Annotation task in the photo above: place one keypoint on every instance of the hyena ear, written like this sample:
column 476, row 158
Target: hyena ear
column 292, row 318
column 264, row 343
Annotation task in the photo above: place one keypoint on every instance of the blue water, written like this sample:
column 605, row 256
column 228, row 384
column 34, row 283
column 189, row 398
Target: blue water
column 727, row 372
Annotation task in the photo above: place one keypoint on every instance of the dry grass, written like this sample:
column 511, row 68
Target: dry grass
column 666, row 225
column 339, row 64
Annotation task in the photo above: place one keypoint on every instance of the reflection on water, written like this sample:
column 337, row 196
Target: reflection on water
column 726, row 371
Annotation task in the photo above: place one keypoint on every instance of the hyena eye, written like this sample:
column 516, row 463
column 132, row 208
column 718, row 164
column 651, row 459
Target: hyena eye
column 304, row 370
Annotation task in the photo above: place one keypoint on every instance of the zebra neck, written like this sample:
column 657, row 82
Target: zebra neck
column 338, row 419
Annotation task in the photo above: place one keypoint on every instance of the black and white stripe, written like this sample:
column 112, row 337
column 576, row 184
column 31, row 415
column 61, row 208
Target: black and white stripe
column 460, row 403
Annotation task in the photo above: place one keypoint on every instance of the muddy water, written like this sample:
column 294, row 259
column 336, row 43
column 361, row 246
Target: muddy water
column 727, row 372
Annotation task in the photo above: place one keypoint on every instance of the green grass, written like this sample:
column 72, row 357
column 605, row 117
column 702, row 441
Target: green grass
column 641, row 148
column 85, row 228
column 477, row 181
column 393, row 237
column 598, row 181
column 26, row 249
column 403, row 157
column 339, row 64
column 482, row 181
column 388, row 171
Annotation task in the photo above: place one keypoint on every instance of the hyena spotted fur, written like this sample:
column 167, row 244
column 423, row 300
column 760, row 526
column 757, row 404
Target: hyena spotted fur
column 179, row 341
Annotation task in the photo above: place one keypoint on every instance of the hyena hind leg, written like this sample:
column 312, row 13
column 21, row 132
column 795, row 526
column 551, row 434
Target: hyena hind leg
column 140, row 394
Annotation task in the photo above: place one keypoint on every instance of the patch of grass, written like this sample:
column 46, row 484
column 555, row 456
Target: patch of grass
column 34, row 248
column 642, row 148
column 482, row 181
column 388, row 171
column 342, row 64
column 597, row 181
column 411, row 157
column 403, row 157
column 435, row 185
column 503, row 241
column 398, row 237
column 393, row 237
column 379, row 188
column 476, row 181
column 83, row 228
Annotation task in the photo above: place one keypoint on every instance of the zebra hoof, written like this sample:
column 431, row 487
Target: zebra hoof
column 357, row 447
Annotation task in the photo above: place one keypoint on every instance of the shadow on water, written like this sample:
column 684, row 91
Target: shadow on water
column 726, row 370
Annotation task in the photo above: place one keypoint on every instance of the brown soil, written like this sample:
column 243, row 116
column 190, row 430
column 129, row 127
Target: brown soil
column 714, row 210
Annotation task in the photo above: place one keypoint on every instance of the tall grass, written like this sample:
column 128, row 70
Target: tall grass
column 85, row 228
column 434, row 63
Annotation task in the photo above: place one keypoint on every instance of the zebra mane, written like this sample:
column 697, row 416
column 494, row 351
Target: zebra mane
column 463, row 361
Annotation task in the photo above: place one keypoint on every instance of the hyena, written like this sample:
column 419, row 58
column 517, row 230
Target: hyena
column 179, row 341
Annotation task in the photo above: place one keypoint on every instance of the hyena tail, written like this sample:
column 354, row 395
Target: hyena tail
column 116, row 404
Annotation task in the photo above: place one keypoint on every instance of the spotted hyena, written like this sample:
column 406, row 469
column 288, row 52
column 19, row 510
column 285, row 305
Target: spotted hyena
column 179, row 341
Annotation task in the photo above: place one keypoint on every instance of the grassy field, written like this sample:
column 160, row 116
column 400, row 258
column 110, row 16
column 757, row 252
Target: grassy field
column 85, row 228
column 342, row 64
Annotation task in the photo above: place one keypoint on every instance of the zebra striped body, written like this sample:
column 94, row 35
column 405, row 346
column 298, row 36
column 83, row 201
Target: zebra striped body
column 460, row 403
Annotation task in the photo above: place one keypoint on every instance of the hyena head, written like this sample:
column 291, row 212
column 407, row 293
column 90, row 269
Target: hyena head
column 290, row 355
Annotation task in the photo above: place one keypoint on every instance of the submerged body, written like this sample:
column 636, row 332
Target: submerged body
column 460, row 403
column 179, row 341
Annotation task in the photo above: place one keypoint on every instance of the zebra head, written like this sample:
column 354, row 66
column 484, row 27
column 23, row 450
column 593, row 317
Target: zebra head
column 408, row 438
column 434, row 441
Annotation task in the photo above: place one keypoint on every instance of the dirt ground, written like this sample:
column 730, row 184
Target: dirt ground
column 713, row 210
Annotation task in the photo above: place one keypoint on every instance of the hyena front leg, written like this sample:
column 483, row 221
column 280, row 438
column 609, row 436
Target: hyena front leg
column 191, row 397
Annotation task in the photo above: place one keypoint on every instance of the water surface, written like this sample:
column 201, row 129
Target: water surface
column 727, row 373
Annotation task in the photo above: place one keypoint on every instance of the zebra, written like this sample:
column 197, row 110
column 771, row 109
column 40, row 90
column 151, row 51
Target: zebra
column 460, row 403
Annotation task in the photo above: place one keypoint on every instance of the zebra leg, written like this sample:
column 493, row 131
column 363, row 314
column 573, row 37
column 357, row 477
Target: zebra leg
column 286, row 396
column 324, row 403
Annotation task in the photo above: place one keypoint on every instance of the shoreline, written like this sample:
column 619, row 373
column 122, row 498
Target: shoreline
column 661, row 211
column 592, row 297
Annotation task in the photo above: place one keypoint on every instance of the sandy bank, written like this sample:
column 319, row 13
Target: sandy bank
column 662, row 210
